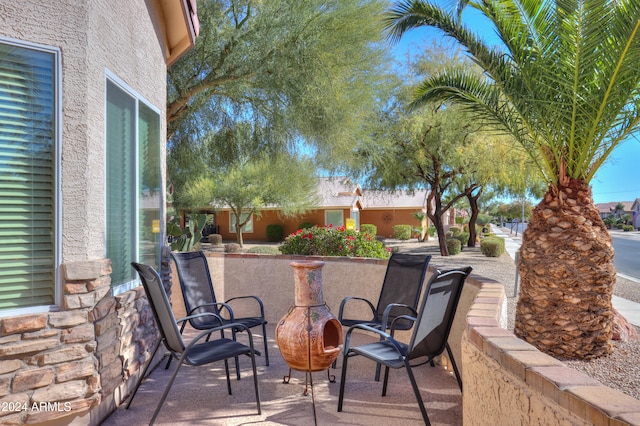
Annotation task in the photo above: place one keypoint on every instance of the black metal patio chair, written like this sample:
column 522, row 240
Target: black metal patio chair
column 199, row 297
column 428, row 339
column 403, row 282
column 196, row 352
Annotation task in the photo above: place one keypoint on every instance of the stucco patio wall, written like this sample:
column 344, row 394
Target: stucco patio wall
column 506, row 380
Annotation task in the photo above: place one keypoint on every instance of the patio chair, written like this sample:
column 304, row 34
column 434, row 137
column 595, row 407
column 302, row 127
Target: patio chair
column 199, row 297
column 196, row 352
column 428, row 339
column 400, row 293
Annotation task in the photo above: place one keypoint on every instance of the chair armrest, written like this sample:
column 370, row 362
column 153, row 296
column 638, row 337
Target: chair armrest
column 344, row 303
column 220, row 306
column 387, row 311
column 209, row 331
column 393, row 323
column 256, row 298
column 383, row 336
column 204, row 314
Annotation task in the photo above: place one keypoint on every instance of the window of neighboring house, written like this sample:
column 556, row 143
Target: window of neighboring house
column 246, row 228
column 29, row 181
column 133, row 183
column 333, row 218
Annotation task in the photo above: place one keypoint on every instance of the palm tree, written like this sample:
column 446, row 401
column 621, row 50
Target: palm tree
column 564, row 82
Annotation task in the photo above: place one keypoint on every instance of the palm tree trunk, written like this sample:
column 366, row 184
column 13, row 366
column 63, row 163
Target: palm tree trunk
column 567, row 276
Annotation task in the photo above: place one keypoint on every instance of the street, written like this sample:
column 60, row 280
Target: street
column 627, row 253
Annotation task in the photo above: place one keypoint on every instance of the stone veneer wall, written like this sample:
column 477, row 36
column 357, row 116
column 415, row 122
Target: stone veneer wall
column 73, row 366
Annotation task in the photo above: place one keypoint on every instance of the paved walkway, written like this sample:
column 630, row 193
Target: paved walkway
column 629, row 309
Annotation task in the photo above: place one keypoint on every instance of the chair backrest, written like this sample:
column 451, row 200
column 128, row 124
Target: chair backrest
column 403, row 283
column 438, row 308
column 160, row 306
column 196, row 285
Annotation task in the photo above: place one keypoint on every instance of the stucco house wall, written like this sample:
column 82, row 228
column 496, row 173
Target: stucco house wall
column 77, row 357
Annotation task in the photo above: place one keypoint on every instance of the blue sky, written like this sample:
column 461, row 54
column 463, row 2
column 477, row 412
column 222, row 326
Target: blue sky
column 616, row 180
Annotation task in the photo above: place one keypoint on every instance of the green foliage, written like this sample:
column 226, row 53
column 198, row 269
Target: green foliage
column 329, row 241
column 308, row 70
column 627, row 228
column 215, row 239
column 483, row 219
column 186, row 239
column 275, row 232
column 249, row 184
column 492, row 246
column 232, row 248
column 431, row 230
column 402, row 232
column 454, row 246
column 263, row 250
column 568, row 115
column 305, row 225
column 463, row 237
column 454, row 230
column 368, row 228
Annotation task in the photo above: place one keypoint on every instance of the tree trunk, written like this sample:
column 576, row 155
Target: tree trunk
column 567, row 276
column 442, row 239
column 475, row 211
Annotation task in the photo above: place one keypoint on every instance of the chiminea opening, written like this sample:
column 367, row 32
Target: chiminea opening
column 332, row 334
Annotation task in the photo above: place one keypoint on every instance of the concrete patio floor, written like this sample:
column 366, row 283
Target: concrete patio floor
column 199, row 395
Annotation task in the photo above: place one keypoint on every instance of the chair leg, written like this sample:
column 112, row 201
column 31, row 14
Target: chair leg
column 343, row 377
column 378, row 372
column 166, row 391
column 455, row 367
column 386, row 380
column 226, row 370
column 416, row 391
column 266, row 344
column 144, row 372
column 233, row 337
column 255, row 380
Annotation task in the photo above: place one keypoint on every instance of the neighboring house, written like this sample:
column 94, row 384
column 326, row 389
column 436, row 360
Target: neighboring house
column 635, row 213
column 609, row 209
column 341, row 200
column 82, row 142
column 386, row 209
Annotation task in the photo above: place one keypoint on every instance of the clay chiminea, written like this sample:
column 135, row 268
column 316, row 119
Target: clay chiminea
column 309, row 336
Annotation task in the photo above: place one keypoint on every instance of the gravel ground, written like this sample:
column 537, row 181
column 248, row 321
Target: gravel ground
column 619, row 370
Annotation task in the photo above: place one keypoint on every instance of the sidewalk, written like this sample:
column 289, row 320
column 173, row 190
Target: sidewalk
column 629, row 309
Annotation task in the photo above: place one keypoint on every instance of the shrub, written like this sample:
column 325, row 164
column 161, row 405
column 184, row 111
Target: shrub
column 215, row 239
column 627, row 228
column 402, row 232
column 368, row 228
column 463, row 237
column 232, row 248
column 329, row 241
column 264, row 250
column 305, row 225
column 492, row 246
column 455, row 230
column 431, row 230
column 453, row 246
column 275, row 233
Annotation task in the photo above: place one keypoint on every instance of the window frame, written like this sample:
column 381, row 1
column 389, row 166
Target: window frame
column 232, row 225
column 111, row 77
column 57, row 176
column 326, row 217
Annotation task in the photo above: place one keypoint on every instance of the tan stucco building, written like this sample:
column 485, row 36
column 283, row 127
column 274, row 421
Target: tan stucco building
column 82, row 143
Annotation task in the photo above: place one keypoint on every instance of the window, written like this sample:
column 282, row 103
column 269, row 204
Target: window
column 133, row 188
column 29, row 152
column 333, row 218
column 248, row 227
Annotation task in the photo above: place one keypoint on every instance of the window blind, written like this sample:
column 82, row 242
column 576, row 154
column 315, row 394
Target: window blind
column 27, row 177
